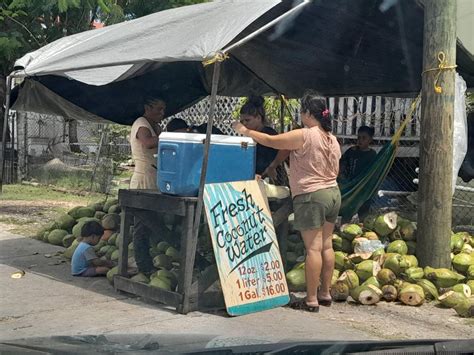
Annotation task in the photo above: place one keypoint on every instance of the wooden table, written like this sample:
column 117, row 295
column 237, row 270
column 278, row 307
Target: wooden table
column 189, row 296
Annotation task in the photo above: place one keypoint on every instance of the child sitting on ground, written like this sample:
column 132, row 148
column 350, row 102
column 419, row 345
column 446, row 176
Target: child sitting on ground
column 84, row 260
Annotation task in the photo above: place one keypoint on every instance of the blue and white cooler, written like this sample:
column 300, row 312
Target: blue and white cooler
column 180, row 161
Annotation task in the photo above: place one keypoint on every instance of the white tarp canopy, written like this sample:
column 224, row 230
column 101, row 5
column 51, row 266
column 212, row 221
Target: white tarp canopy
column 189, row 33
column 336, row 47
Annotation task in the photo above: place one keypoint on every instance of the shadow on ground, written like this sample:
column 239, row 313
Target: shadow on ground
column 42, row 259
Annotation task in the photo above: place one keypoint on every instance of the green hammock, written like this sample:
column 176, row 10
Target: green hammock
column 358, row 190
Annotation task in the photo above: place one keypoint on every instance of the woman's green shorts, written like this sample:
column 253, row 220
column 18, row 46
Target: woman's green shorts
column 315, row 208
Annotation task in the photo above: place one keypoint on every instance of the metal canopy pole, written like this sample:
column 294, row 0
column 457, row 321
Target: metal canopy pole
column 5, row 125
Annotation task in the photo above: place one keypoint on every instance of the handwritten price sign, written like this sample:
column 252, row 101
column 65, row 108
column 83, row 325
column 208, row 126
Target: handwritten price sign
column 245, row 246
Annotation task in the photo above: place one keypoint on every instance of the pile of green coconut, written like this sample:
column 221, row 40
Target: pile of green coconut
column 164, row 250
column 375, row 261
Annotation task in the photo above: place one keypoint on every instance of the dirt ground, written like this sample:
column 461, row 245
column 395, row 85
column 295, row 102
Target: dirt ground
column 26, row 217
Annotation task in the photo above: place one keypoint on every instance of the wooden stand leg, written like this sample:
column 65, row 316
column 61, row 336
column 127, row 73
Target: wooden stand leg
column 282, row 236
column 125, row 224
column 188, row 255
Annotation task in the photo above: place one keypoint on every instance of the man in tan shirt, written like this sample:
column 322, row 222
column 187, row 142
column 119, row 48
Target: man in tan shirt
column 144, row 143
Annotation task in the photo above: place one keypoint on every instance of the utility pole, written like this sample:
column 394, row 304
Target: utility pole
column 436, row 140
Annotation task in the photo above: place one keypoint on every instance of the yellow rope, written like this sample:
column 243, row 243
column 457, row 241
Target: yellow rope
column 443, row 65
column 218, row 57
column 396, row 137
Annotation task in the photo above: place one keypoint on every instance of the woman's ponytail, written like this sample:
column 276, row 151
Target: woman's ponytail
column 316, row 106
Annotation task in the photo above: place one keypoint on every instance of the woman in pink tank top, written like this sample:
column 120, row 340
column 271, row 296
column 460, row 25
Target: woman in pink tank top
column 314, row 166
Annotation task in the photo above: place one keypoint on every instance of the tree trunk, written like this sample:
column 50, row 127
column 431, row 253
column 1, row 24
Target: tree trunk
column 436, row 140
column 73, row 140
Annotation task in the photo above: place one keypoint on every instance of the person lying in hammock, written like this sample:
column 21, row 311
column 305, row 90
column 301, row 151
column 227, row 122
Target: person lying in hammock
column 356, row 160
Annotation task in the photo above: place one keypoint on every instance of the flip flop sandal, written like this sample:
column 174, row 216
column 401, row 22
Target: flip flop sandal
column 301, row 305
column 325, row 302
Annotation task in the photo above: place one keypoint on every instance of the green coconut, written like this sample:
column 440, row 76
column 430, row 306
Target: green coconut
column 168, row 275
column 444, row 278
column 109, row 204
column 351, row 231
column 65, row 222
column 366, row 269
column 377, row 254
column 296, row 280
column 406, row 229
column 162, row 246
column 162, row 261
column 99, row 214
column 67, row 240
column 397, row 246
column 115, row 255
column 173, row 253
column 470, row 283
column 340, row 260
column 366, row 294
column 110, row 251
column 385, row 224
column 465, row 308
column 339, row 291
column 111, row 273
column 350, row 278
column 372, row 281
column 467, row 249
column 370, row 235
column 97, row 206
column 411, row 260
column 111, row 221
column 413, row 274
column 73, row 212
column 412, row 295
column 84, row 212
column 56, row 236
column 451, row 299
column 103, row 250
column 461, row 262
column 386, row 277
column 160, row 282
column 395, row 262
column 112, row 239
column 431, row 292
column 457, row 242
column 140, row 277
column 463, row 288
column 389, row 293
column 369, row 222
column 470, row 272
column 336, row 242
column 114, row 209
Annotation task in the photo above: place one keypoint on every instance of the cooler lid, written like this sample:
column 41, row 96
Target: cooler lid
column 181, row 137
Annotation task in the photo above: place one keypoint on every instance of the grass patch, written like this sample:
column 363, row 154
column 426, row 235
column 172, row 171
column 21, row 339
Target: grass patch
column 19, row 192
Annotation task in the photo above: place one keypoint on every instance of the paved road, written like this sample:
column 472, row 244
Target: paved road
column 48, row 301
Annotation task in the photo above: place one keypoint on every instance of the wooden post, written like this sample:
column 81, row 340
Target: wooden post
column 436, row 140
